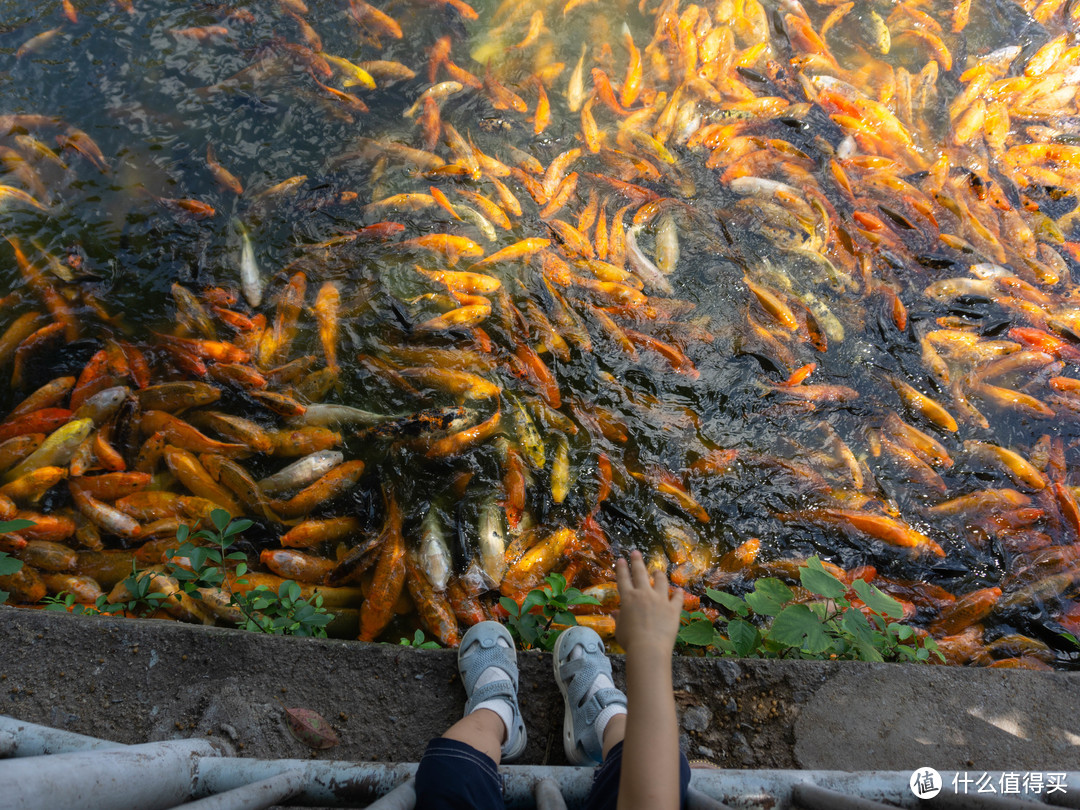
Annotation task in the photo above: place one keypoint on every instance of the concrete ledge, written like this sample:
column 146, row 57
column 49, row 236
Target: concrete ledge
column 138, row 681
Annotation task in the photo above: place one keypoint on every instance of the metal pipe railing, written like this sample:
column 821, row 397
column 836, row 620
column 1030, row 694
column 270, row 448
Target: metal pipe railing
column 154, row 776
column 94, row 774
column 256, row 796
column 403, row 797
column 813, row 797
column 32, row 740
column 969, row 801
column 1070, row 799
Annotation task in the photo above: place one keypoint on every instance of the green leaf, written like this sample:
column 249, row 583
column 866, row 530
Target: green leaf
column 220, row 518
column 797, row 626
column 769, row 596
column 529, row 628
column 564, row 617
column 877, row 600
column 723, row 646
column 854, row 622
column 182, row 532
column 238, row 526
column 903, row 631
column 510, row 606
column 1069, row 637
column 734, row 603
column 817, row 580
column 18, row 525
column 534, row 598
column 557, row 583
column 744, row 637
column 931, row 645
column 699, row 633
column 576, row 597
column 9, row 565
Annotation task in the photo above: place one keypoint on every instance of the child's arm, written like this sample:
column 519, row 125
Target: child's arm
column 647, row 624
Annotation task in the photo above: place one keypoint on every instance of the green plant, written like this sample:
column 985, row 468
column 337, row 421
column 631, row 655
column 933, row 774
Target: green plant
column 532, row 624
column 284, row 613
column 828, row 628
column 143, row 601
column 418, row 641
column 64, row 602
column 281, row 612
column 8, row 564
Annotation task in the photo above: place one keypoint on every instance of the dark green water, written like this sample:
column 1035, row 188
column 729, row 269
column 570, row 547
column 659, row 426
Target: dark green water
column 153, row 101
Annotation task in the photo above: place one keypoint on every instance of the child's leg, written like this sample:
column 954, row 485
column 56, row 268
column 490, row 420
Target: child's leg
column 460, row 770
column 604, row 793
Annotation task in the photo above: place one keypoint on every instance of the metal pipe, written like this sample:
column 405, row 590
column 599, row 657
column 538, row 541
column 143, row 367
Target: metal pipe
column 1069, row 799
column 154, row 776
column 339, row 783
column 818, row 798
column 326, row 783
column 975, row 801
column 8, row 744
column 403, row 797
column 548, row 796
column 775, row 788
column 696, row 800
column 348, row 784
column 256, row 796
column 32, row 740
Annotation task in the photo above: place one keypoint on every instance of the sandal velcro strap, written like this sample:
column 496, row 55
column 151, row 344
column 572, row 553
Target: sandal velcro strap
column 599, row 701
column 501, row 689
column 483, row 653
column 580, row 673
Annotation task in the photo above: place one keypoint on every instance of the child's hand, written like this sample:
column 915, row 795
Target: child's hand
column 648, row 616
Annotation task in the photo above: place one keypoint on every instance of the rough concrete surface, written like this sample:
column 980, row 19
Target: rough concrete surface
column 137, row 681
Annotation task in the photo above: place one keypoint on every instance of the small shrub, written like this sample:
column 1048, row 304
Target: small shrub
column 769, row 623
column 532, row 629
column 418, row 641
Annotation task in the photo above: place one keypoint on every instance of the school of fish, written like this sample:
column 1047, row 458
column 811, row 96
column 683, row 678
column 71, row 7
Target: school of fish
column 485, row 364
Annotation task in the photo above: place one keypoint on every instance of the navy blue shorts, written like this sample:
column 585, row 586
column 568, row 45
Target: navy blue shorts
column 455, row 776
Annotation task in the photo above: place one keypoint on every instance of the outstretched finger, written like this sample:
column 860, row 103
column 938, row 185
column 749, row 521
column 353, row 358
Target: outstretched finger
column 678, row 595
column 660, row 583
column 638, row 571
column 622, row 575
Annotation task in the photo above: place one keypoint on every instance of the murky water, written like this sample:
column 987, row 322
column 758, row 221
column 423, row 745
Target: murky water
column 839, row 258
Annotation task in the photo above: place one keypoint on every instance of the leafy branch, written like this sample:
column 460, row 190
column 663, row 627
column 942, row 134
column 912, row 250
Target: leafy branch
column 533, row 622
column 768, row 622
column 201, row 562
column 284, row 612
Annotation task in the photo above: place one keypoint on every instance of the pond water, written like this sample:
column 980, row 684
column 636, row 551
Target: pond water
column 793, row 285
